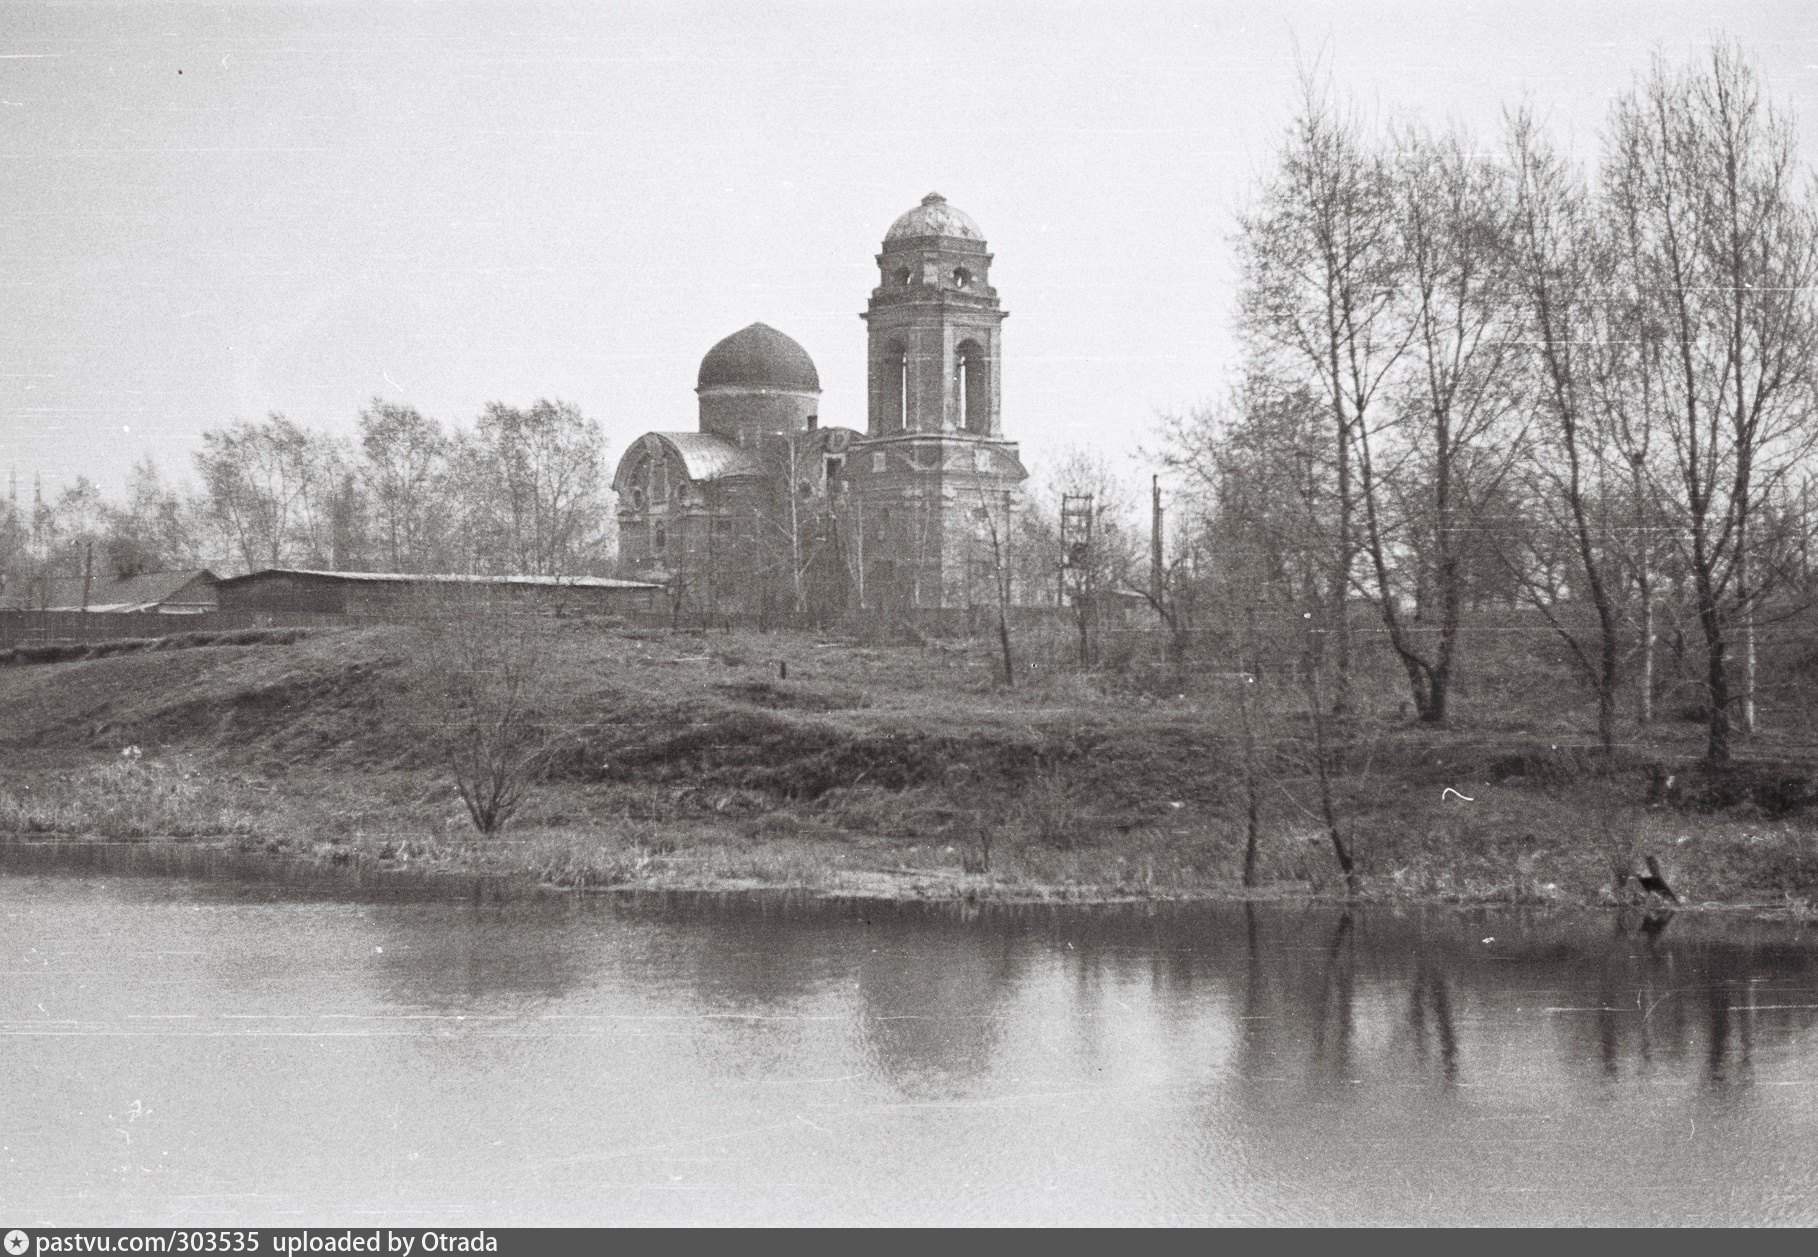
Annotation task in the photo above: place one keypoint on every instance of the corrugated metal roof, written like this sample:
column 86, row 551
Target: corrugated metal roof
column 439, row 578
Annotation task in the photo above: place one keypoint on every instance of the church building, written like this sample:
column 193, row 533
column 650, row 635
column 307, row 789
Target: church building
column 765, row 508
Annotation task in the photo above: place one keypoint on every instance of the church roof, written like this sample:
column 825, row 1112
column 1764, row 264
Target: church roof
column 704, row 457
column 709, row 457
column 934, row 217
column 762, row 357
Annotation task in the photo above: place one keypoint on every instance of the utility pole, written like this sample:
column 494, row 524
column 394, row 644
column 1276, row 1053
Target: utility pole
column 1076, row 556
column 858, row 546
column 88, row 571
column 1156, row 571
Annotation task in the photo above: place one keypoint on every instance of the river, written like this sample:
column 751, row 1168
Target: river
column 191, row 1051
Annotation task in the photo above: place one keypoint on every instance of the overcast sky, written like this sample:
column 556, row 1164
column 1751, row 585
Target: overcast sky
column 213, row 211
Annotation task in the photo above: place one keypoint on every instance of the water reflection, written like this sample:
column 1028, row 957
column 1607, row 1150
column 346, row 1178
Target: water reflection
column 703, row 1058
column 1430, row 1001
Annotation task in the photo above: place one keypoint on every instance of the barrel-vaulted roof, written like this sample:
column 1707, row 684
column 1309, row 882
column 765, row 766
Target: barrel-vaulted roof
column 703, row 457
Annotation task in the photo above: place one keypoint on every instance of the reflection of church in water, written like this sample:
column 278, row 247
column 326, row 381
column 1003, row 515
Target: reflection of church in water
column 767, row 509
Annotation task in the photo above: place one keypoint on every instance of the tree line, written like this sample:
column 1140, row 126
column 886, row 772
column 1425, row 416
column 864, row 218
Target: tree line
column 521, row 490
column 1476, row 369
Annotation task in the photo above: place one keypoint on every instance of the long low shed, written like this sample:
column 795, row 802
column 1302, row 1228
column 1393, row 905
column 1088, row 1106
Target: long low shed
column 295, row 590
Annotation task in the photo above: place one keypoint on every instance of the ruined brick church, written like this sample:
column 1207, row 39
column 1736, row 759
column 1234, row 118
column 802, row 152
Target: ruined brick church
column 766, row 509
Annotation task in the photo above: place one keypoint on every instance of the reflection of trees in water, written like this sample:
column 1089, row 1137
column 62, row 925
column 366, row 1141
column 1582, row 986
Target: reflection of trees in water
column 1379, row 1055
column 477, row 956
column 933, row 1006
column 930, row 980
column 1334, row 1012
column 1656, row 1001
column 1318, row 995
column 1331, row 995
column 1430, row 1001
column 1731, row 1004
column 1302, row 999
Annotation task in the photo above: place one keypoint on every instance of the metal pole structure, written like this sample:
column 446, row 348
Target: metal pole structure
column 1077, row 556
column 1156, row 571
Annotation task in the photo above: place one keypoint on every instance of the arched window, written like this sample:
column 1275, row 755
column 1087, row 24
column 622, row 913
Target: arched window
column 902, row 276
column 972, row 388
column 962, row 278
column 895, row 373
column 659, row 481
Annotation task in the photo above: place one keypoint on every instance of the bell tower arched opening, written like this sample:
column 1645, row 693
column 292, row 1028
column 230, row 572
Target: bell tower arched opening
column 893, row 413
column 972, row 388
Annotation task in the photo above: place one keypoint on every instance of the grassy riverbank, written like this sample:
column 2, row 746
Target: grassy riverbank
column 691, row 762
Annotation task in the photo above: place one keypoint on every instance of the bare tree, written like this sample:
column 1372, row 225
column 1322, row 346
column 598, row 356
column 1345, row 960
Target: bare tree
column 994, row 512
column 1450, row 216
column 1328, row 756
column 403, row 464
column 1722, row 242
column 273, row 489
column 481, row 656
column 1257, row 473
column 1561, row 273
column 1321, row 277
column 547, row 505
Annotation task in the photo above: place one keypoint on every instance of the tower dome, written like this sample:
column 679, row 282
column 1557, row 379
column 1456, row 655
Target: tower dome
column 934, row 217
column 759, row 356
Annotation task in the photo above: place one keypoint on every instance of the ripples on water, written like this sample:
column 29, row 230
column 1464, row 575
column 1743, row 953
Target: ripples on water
column 208, row 1052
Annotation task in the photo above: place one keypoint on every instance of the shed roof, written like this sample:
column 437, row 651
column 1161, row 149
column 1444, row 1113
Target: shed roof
column 444, row 578
column 145, row 592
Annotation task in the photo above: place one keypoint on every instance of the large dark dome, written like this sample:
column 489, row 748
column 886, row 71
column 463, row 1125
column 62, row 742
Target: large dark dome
column 759, row 356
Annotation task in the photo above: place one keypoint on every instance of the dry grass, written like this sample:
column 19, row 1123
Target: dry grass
column 130, row 797
column 689, row 761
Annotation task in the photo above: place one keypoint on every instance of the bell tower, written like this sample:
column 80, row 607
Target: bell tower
column 934, row 328
column 934, row 479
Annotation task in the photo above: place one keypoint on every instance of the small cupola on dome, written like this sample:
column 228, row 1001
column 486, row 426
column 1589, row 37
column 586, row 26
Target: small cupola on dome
column 934, row 217
column 761, row 357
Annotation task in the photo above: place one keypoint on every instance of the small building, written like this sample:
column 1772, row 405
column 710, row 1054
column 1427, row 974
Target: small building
column 163, row 593
column 294, row 591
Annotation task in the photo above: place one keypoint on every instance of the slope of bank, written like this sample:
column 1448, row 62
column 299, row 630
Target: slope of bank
column 778, row 760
